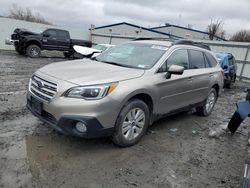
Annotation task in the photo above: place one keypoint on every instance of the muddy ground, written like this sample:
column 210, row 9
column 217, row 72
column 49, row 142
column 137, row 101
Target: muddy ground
column 176, row 152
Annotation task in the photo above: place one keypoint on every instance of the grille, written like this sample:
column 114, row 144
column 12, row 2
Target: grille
column 43, row 89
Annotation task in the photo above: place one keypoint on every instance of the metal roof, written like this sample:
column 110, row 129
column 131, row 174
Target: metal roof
column 186, row 28
column 139, row 27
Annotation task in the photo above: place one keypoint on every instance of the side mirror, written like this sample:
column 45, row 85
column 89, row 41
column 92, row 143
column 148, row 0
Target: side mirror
column 174, row 69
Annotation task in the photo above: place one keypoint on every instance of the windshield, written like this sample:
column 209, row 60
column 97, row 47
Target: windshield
column 136, row 55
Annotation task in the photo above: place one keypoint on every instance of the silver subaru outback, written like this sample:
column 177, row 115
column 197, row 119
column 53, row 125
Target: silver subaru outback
column 125, row 89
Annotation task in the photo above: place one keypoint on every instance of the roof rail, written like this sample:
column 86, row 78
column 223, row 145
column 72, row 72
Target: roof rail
column 153, row 38
column 192, row 43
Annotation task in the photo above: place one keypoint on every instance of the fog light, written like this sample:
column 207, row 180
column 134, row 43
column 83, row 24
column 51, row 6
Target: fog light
column 81, row 127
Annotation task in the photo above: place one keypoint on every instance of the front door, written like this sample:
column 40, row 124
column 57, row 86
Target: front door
column 174, row 93
column 49, row 39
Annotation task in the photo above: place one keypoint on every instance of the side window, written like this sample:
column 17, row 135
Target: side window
column 50, row 32
column 211, row 59
column 231, row 61
column 207, row 63
column 178, row 57
column 197, row 60
column 62, row 34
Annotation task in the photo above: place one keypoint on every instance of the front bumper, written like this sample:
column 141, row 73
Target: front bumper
column 66, row 124
column 10, row 41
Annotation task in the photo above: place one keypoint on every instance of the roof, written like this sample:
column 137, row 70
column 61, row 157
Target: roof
column 186, row 28
column 139, row 27
column 155, row 42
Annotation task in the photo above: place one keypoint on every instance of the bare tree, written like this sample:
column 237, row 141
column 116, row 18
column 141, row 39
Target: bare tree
column 215, row 29
column 241, row 36
column 26, row 14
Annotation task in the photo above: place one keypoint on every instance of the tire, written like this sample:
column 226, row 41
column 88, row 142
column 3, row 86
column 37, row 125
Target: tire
column 128, row 131
column 234, row 80
column 228, row 85
column 207, row 108
column 33, row 51
column 68, row 54
column 19, row 51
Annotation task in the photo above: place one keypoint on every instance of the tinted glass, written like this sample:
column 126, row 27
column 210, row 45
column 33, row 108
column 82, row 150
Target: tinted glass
column 197, row 60
column 211, row 59
column 62, row 34
column 51, row 33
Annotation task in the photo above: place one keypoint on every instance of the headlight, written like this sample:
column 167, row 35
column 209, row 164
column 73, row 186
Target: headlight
column 91, row 92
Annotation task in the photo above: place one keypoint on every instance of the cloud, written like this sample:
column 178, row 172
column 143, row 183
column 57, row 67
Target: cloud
column 78, row 13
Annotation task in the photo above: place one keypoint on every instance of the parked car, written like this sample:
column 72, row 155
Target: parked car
column 93, row 51
column 125, row 89
column 228, row 64
column 30, row 43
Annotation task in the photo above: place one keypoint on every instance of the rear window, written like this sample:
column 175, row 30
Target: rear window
column 231, row 61
column 197, row 59
column 211, row 59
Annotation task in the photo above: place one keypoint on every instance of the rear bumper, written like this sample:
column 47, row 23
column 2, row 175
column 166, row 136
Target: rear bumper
column 66, row 124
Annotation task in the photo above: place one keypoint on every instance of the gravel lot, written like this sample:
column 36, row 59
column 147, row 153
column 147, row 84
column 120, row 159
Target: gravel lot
column 176, row 152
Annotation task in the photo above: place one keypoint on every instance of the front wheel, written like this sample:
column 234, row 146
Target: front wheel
column 33, row 51
column 207, row 108
column 131, row 123
column 20, row 52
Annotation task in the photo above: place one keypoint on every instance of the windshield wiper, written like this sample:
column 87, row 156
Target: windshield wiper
column 121, row 65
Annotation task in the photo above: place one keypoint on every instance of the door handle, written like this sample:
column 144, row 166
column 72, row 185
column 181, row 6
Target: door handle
column 190, row 79
column 211, row 75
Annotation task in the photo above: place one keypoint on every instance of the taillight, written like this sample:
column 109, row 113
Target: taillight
column 222, row 72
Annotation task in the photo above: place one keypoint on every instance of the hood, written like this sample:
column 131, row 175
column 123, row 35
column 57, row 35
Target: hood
column 89, row 72
column 25, row 32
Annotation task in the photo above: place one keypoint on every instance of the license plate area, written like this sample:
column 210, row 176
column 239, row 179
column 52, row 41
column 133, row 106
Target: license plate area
column 36, row 105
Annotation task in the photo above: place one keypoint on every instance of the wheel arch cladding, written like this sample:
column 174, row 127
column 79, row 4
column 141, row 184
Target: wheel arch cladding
column 217, row 88
column 33, row 42
column 147, row 99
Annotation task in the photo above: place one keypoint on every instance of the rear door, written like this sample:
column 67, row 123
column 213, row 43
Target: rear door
column 200, row 73
column 63, row 39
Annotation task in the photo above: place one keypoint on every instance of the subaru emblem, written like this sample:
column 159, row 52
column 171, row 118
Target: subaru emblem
column 40, row 84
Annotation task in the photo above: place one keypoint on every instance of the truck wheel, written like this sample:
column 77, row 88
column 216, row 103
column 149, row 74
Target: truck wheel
column 207, row 108
column 33, row 51
column 20, row 52
column 68, row 54
column 131, row 123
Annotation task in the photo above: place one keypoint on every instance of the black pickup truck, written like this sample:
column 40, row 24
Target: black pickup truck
column 31, row 44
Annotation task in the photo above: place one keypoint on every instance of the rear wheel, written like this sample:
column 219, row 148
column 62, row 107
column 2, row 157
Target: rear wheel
column 33, row 51
column 228, row 85
column 131, row 123
column 68, row 54
column 207, row 108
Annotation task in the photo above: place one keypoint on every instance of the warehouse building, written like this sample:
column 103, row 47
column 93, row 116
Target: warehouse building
column 185, row 32
column 121, row 32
